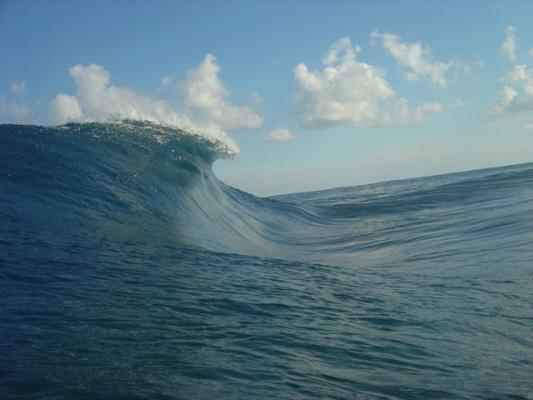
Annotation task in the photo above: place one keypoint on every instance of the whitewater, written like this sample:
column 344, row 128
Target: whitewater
column 128, row 270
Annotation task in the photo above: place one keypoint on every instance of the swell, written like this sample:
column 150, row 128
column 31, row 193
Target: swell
column 135, row 182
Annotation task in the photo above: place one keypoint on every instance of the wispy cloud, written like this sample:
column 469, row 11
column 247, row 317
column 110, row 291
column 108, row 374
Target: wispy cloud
column 459, row 103
column 256, row 98
column 346, row 91
column 503, row 100
column 517, row 94
column 166, row 81
column 508, row 47
column 18, row 87
column 279, row 135
column 14, row 112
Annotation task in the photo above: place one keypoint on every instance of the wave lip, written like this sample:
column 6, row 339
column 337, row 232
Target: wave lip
column 212, row 137
column 161, row 129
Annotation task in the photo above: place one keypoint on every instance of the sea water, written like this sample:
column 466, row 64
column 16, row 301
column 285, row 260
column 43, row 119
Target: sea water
column 129, row 271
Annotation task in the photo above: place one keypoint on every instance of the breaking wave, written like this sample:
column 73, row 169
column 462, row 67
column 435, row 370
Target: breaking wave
column 142, row 180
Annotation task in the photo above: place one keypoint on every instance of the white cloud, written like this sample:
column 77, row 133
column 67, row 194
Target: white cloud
column 528, row 127
column 522, row 76
column 503, row 100
column 15, row 112
column 206, row 97
column 279, row 135
column 416, row 58
column 508, row 48
column 459, row 103
column 97, row 100
column 18, row 87
column 256, row 98
column 517, row 95
column 166, row 81
column 347, row 91
column 399, row 112
column 204, row 107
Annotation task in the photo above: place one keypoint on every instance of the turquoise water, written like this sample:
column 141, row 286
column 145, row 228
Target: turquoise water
column 129, row 271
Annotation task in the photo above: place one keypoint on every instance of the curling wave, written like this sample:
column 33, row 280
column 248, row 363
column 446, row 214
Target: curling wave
column 139, row 181
column 138, row 177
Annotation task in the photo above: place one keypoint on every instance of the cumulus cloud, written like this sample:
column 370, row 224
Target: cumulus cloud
column 416, row 59
column 508, row 47
column 206, row 97
column 18, row 87
column 203, row 104
column 97, row 100
column 347, row 91
column 13, row 112
column 517, row 94
column 279, row 135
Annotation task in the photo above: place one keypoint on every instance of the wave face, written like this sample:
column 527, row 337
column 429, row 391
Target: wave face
column 130, row 270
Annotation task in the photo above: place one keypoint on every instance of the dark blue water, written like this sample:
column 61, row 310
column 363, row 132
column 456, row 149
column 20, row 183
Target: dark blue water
column 128, row 271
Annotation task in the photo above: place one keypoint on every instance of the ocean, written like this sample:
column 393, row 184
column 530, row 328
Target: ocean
column 129, row 271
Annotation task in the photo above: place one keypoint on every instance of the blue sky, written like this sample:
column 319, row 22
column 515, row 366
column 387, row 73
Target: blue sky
column 316, row 94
